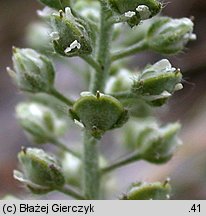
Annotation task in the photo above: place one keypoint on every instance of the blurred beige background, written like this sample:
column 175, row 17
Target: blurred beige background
column 188, row 167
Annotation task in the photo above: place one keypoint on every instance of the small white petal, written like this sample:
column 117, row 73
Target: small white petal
column 73, row 45
column 101, row 94
column 78, row 123
column 35, row 110
column 68, row 13
column 86, row 93
column 193, row 37
column 165, row 94
column 162, row 64
column 143, row 11
column 129, row 14
column 67, row 50
column 178, row 87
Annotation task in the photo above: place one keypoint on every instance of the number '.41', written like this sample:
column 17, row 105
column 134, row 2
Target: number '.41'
column 195, row 208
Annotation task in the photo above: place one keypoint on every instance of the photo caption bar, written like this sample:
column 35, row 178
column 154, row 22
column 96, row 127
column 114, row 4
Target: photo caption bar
column 101, row 208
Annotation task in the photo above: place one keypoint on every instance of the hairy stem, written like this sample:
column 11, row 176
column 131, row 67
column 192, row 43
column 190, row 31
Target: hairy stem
column 103, row 54
column 61, row 97
column 70, row 192
column 122, row 162
column 91, row 147
column 91, row 167
column 92, row 62
column 134, row 49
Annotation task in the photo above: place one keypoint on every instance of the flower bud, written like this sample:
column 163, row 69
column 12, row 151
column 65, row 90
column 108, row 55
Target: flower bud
column 99, row 113
column 156, row 83
column 157, row 145
column 149, row 191
column 57, row 4
column 33, row 72
column 169, row 36
column 71, row 35
column 40, row 122
column 121, row 81
column 136, row 9
column 40, row 172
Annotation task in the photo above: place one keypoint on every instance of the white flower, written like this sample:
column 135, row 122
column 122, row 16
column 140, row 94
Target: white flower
column 129, row 14
column 73, row 45
column 143, row 11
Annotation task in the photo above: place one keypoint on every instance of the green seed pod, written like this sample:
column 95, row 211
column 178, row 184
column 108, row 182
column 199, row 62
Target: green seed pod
column 57, row 4
column 99, row 113
column 71, row 35
column 40, row 122
column 157, row 145
column 158, row 82
column 34, row 72
column 149, row 191
column 169, row 36
column 40, row 172
column 136, row 9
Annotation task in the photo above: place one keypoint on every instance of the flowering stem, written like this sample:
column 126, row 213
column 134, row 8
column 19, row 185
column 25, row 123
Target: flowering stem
column 91, row 147
column 134, row 49
column 91, row 167
column 103, row 54
column 60, row 96
column 71, row 192
column 121, row 162
column 92, row 62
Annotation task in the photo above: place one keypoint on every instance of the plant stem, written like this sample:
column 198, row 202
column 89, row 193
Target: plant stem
column 61, row 97
column 122, row 162
column 124, row 95
column 62, row 146
column 134, row 49
column 91, row 167
column 71, row 192
column 103, row 55
column 97, row 83
column 92, row 62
